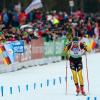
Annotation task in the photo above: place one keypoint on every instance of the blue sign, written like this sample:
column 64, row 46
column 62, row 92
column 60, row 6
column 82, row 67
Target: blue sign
column 18, row 47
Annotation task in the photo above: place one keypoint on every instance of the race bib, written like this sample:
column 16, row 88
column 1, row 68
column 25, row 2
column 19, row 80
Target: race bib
column 75, row 51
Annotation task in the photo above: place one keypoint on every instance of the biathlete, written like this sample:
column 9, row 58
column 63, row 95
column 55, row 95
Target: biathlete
column 76, row 49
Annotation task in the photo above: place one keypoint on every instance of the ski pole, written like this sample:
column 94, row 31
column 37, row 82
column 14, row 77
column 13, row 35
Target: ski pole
column 66, row 78
column 87, row 73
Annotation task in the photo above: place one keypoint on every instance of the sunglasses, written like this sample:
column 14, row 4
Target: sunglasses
column 75, row 42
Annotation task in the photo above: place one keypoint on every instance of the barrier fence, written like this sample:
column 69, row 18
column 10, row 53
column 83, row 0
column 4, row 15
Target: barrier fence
column 32, row 88
column 37, row 52
column 37, row 49
column 18, row 53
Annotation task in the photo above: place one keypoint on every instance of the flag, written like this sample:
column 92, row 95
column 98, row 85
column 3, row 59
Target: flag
column 3, row 52
column 34, row 5
column 2, row 49
column 92, row 44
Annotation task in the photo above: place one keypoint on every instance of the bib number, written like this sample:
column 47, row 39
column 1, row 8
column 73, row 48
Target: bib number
column 76, row 51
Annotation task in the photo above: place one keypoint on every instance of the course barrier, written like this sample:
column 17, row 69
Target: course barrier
column 32, row 88
column 36, row 53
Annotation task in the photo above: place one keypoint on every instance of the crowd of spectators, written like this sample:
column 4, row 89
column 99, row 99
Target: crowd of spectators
column 49, row 25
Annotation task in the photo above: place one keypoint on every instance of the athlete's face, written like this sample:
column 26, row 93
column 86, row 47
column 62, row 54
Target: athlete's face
column 75, row 43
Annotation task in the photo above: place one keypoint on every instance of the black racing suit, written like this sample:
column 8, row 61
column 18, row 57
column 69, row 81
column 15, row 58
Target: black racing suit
column 76, row 63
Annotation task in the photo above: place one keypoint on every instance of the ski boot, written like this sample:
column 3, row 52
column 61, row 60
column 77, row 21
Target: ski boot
column 82, row 90
column 77, row 89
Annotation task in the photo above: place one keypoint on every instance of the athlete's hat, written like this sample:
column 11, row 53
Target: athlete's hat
column 75, row 39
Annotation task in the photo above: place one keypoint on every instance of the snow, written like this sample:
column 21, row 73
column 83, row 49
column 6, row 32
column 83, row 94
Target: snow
column 48, row 82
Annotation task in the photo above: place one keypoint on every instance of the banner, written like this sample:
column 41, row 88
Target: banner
column 34, row 50
column 58, row 48
column 18, row 49
column 18, row 46
column 37, row 48
column 34, row 5
column 53, row 48
column 26, row 55
column 1, row 59
column 48, row 49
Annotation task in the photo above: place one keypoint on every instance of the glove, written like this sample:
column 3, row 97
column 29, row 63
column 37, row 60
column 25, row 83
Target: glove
column 65, row 49
column 87, row 48
column 84, row 44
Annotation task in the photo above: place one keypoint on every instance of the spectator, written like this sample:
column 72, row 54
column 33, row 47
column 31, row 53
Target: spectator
column 1, row 17
column 15, row 20
column 22, row 18
column 5, row 18
column 2, row 38
column 38, row 15
column 97, row 29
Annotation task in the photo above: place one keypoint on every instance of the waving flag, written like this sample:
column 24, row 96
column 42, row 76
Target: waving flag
column 34, row 5
column 4, row 54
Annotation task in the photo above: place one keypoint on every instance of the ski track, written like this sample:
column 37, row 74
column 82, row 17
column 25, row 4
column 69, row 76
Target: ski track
column 48, row 82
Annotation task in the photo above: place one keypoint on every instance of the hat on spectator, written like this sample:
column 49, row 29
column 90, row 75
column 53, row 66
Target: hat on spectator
column 30, row 30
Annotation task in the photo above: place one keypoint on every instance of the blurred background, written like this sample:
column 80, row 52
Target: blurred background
column 84, row 5
column 46, row 26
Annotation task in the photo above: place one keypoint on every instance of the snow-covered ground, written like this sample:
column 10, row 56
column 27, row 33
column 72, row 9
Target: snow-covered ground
column 48, row 82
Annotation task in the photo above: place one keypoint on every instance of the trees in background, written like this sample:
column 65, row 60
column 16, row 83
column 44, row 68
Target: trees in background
column 59, row 5
column 84, row 5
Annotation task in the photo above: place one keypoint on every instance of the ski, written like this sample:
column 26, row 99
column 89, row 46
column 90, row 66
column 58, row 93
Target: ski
column 78, row 94
column 84, row 94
